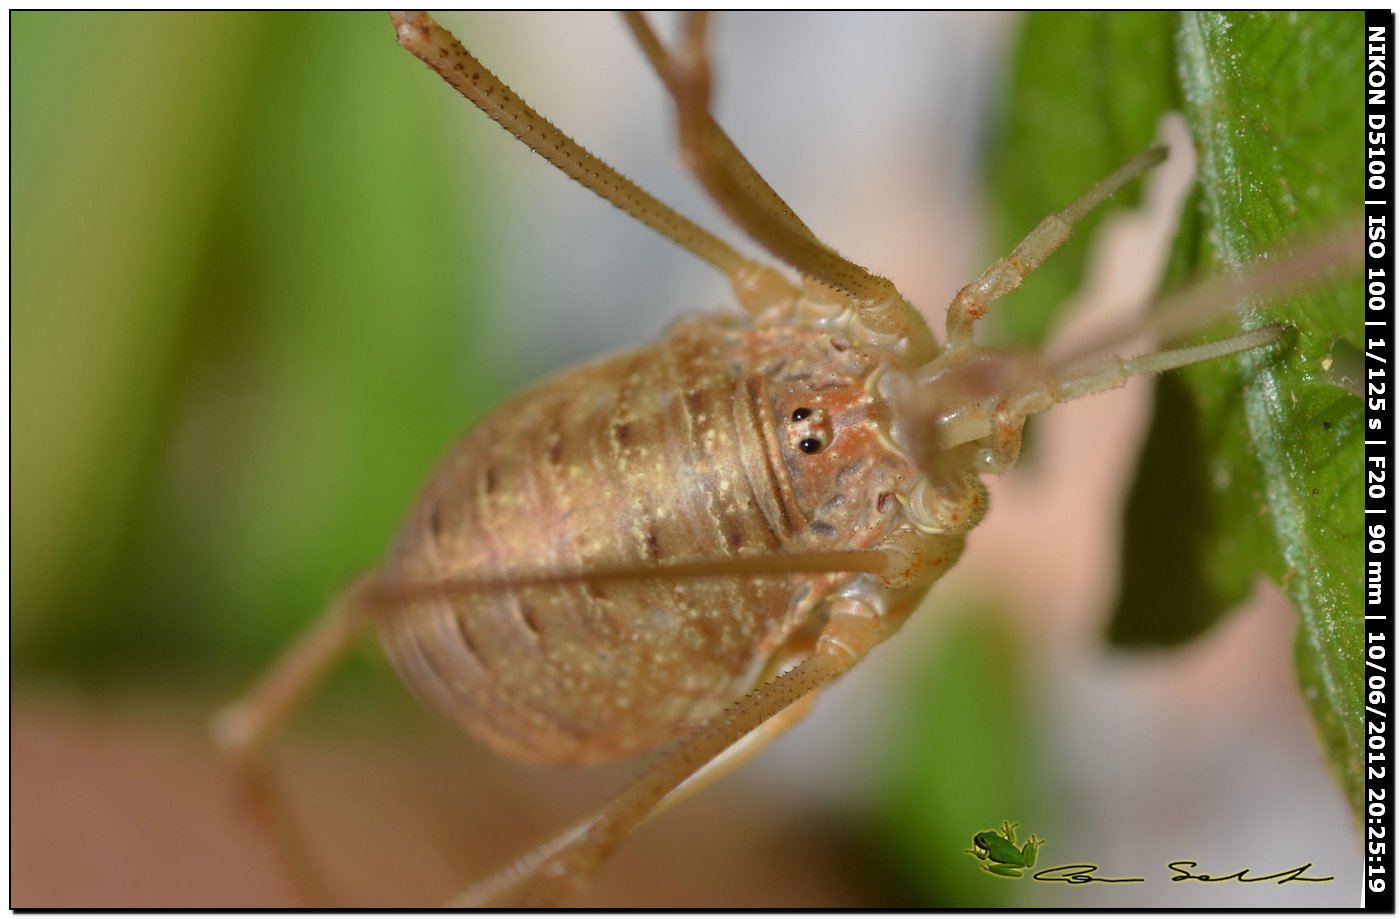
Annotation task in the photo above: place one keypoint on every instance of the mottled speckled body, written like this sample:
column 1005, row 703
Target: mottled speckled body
column 685, row 449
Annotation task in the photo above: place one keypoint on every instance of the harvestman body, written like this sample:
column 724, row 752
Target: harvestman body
column 785, row 486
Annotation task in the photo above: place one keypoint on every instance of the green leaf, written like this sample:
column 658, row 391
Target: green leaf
column 1086, row 92
column 243, row 310
column 1252, row 466
column 1275, row 103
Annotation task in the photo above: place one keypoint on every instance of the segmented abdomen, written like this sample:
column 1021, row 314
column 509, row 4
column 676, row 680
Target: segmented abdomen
column 652, row 456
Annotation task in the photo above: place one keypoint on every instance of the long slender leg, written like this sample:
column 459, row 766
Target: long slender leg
column 241, row 728
column 500, row 885
column 275, row 819
column 555, row 872
column 751, row 203
column 1114, row 372
column 389, row 599
column 758, row 288
column 1010, row 416
column 1006, row 274
column 436, row 47
column 710, row 135
column 739, row 753
column 728, row 177
column 1198, row 306
column 1034, row 387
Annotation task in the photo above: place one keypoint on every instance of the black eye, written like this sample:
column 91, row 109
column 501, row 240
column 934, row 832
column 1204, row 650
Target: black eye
column 800, row 414
column 809, row 445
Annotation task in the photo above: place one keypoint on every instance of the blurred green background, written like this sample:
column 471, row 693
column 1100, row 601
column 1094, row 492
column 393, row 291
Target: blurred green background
column 265, row 270
column 243, row 321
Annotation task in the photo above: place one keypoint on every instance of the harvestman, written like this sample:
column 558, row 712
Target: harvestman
column 786, row 484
